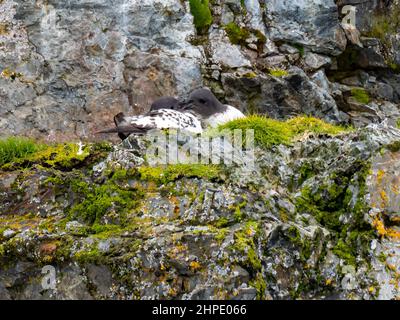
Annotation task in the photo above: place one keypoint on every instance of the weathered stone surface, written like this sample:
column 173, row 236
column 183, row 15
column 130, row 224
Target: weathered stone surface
column 301, row 22
column 308, row 223
column 83, row 61
column 290, row 95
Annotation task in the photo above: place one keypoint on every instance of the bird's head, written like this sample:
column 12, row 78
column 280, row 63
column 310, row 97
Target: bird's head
column 165, row 103
column 202, row 102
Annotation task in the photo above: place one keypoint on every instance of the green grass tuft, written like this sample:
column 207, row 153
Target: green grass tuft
column 14, row 148
column 201, row 14
column 269, row 132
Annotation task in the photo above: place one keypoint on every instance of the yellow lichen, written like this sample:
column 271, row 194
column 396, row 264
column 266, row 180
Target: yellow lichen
column 194, row 266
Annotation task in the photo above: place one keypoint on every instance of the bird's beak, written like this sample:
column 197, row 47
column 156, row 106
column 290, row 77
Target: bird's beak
column 186, row 104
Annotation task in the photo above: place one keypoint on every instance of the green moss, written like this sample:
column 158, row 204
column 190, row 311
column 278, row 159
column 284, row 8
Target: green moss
column 303, row 124
column 395, row 67
column 345, row 252
column 61, row 156
column 394, row 146
column 306, row 171
column 278, row 73
column 328, row 201
column 222, row 222
column 2, row 251
column 221, row 234
column 201, row 15
column 326, row 210
column 236, row 34
column 238, row 214
column 269, row 132
column 260, row 285
column 16, row 148
column 245, row 244
column 100, row 199
column 360, row 95
column 294, row 236
column 89, row 255
column 165, row 174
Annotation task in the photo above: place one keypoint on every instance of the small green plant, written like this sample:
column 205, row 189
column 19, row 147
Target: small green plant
column 300, row 48
column 360, row 95
column 201, row 14
column 13, row 148
column 236, row 34
column 385, row 24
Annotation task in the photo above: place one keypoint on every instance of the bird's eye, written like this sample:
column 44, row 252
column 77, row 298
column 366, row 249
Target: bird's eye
column 202, row 101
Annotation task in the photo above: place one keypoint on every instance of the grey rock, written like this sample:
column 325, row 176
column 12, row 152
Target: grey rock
column 307, row 17
column 314, row 61
column 224, row 53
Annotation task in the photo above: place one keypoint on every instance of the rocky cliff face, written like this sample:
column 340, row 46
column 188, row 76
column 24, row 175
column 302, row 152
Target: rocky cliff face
column 316, row 218
column 68, row 67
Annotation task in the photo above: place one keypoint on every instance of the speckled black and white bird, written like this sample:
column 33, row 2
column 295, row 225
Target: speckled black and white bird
column 200, row 110
column 122, row 121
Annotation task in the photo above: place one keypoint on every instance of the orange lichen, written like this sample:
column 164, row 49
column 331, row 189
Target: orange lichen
column 384, row 197
column 383, row 231
column 379, row 226
column 394, row 234
column 194, row 266
column 380, row 175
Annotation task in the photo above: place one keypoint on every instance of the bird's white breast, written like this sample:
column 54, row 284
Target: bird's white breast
column 231, row 113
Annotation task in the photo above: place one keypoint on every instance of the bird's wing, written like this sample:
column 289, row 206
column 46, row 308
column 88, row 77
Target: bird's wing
column 155, row 119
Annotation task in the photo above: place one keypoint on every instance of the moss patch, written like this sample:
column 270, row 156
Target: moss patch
column 278, row 73
column 245, row 244
column 236, row 34
column 360, row 95
column 59, row 156
column 165, row 174
column 301, row 125
column 269, row 132
column 330, row 201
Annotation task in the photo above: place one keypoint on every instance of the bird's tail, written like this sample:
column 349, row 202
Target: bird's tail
column 124, row 129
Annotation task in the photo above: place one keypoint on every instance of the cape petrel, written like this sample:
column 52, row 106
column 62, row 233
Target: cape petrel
column 202, row 109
